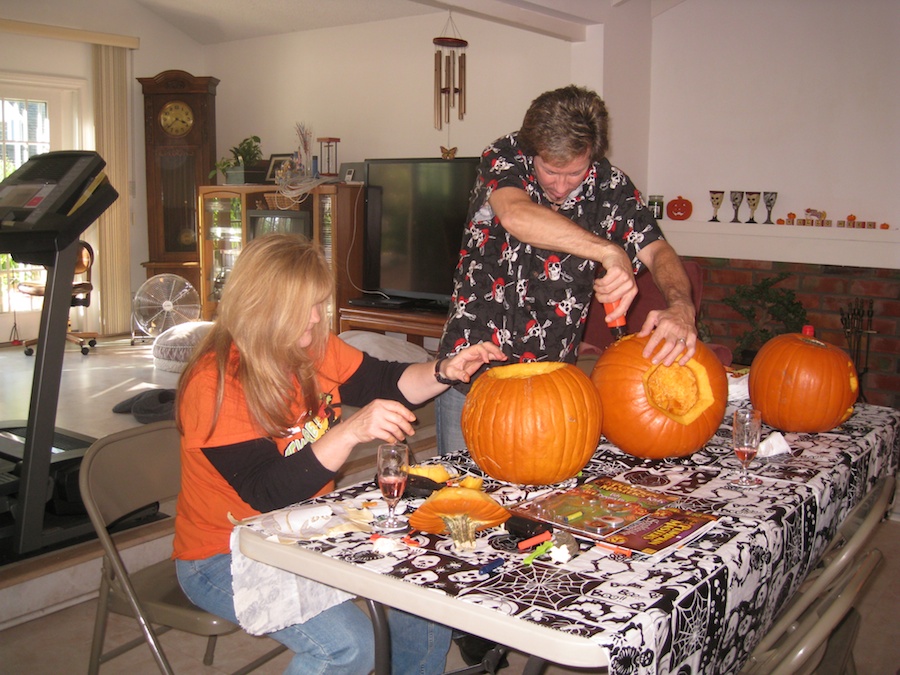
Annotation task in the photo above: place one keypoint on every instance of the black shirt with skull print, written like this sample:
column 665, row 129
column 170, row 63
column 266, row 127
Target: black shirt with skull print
column 529, row 301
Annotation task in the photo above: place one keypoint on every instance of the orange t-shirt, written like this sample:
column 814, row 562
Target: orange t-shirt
column 202, row 527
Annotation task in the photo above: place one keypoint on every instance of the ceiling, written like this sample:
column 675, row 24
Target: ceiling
column 215, row 21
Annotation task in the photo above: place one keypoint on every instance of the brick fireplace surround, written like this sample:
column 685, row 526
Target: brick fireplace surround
column 823, row 290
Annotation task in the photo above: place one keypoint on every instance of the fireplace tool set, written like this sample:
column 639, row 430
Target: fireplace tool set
column 857, row 323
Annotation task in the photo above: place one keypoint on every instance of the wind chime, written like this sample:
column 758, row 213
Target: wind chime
column 449, row 74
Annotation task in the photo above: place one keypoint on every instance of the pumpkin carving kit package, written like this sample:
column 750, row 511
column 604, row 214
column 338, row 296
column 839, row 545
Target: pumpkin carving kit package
column 616, row 514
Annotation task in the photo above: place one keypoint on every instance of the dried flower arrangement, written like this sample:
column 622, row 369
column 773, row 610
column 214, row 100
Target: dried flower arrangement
column 294, row 178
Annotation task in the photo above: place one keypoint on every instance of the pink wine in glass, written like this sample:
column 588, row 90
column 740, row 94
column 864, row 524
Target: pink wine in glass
column 745, row 455
column 393, row 467
column 392, row 487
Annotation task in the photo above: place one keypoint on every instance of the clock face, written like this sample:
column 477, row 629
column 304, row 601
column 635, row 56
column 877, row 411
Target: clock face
column 176, row 118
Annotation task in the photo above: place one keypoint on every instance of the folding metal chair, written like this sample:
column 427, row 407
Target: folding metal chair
column 845, row 549
column 120, row 475
column 801, row 649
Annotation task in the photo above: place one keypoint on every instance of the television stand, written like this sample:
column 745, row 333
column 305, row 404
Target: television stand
column 416, row 325
column 381, row 302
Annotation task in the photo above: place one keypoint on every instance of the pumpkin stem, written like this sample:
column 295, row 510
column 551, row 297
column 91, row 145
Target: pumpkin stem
column 462, row 530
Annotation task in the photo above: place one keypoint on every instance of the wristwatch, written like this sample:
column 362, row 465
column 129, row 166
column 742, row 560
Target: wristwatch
column 437, row 373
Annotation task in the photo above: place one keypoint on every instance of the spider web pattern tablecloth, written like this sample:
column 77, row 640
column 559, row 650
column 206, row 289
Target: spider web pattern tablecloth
column 698, row 609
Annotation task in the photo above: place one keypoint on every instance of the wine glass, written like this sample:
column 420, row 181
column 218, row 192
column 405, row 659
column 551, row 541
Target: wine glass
column 769, row 200
column 745, row 432
column 753, row 203
column 393, row 468
column 736, row 199
column 715, row 198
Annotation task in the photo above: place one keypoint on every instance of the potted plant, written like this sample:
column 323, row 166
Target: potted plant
column 243, row 165
column 770, row 311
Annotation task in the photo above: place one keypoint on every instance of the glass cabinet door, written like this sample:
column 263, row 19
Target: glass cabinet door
column 223, row 237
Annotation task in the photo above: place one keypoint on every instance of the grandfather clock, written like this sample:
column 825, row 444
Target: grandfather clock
column 180, row 139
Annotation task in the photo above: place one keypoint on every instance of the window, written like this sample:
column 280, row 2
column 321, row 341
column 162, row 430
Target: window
column 24, row 132
column 37, row 114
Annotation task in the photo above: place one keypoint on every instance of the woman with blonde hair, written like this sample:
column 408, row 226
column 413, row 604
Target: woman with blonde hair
column 259, row 411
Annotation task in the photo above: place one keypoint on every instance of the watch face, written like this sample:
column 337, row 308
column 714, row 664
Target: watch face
column 176, row 118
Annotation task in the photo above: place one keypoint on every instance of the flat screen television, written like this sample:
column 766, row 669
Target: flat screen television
column 415, row 216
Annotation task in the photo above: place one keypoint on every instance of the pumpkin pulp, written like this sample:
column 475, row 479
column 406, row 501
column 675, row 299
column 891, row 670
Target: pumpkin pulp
column 521, row 371
column 682, row 393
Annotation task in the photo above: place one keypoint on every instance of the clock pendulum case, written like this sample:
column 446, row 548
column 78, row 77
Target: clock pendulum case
column 180, row 145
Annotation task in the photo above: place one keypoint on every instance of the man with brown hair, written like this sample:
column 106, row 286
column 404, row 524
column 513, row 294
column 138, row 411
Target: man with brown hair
column 548, row 215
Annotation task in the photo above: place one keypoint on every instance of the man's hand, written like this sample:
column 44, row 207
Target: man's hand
column 615, row 281
column 673, row 335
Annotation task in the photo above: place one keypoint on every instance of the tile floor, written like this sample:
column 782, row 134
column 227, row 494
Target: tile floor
column 60, row 641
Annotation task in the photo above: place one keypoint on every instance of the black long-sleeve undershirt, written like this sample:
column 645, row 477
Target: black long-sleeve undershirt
column 266, row 479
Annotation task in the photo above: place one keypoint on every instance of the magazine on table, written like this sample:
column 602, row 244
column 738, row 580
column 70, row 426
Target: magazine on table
column 617, row 514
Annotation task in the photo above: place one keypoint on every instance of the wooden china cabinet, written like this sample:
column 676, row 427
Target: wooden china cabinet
column 231, row 215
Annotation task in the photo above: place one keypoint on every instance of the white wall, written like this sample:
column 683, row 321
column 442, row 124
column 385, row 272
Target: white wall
column 371, row 86
column 799, row 97
column 626, row 87
column 162, row 48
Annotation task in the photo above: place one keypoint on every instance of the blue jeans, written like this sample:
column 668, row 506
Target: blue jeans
column 339, row 640
column 448, row 412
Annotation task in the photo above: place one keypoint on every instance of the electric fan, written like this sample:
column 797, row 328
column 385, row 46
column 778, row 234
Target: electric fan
column 163, row 301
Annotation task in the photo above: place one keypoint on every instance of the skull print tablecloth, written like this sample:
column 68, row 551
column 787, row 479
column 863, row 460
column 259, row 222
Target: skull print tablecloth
column 697, row 609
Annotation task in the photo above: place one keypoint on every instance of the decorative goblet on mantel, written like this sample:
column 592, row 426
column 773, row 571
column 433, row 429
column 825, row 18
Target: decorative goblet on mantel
column 736, row 199
column 769, row 200
column 715, row 198
column 753, row 203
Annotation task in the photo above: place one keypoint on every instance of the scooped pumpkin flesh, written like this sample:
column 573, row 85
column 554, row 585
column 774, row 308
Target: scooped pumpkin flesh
column 682, row 393
column 459, row 511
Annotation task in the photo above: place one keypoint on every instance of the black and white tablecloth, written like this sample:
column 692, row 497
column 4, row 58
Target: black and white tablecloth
column 697, row 609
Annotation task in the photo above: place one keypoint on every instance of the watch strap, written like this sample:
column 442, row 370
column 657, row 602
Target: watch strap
column 437, row 373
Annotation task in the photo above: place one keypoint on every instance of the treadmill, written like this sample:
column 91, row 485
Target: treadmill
column 45, row 206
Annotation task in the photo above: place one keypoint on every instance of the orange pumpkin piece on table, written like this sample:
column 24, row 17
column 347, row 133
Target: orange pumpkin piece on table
column 656, row 411
column 436, row 472
column 459, row 511
column 800, row 383
column 532, row 423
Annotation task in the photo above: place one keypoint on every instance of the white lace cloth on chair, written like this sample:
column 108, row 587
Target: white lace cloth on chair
column 267, row 599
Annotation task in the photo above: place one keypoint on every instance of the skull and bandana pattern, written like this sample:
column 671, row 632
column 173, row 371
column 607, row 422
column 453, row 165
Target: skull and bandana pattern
column 532, row 302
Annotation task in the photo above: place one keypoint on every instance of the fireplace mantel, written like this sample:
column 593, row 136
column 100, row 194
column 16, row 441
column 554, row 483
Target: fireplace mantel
column 785, row 243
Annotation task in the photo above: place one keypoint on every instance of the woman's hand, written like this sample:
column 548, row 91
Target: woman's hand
column 466, row 363
column 388, row 421
column 384, row 420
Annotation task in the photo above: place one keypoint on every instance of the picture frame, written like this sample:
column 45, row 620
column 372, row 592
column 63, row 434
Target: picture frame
column 275, row 162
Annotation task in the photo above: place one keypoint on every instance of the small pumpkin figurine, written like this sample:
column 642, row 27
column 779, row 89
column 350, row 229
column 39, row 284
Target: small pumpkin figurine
column 532, row 423
column 800, row 383
column 679, row 209
column 656, row 411
column 459, row 511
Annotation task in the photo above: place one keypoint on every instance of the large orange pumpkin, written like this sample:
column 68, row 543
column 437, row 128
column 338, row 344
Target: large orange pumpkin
column 532, row 423
column 802, row 384
column 657, row 411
